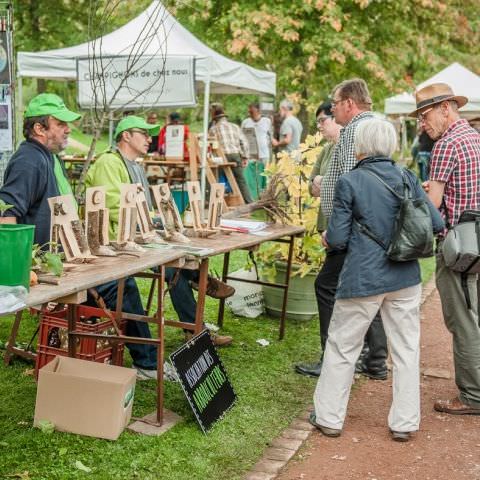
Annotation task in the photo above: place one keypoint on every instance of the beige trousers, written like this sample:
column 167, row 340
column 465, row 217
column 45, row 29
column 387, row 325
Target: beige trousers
column 350, row 321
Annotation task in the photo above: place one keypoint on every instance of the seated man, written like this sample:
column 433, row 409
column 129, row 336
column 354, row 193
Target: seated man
column 114, row 168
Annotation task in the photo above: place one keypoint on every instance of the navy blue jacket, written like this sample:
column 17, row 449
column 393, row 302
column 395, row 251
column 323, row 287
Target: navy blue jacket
column 367, row 269
column 29, row 182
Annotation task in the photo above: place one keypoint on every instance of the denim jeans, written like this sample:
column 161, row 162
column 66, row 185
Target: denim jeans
column 181, row 292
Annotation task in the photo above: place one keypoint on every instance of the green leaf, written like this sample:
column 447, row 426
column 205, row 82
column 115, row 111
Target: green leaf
column 46, row 426
column 82, row 467
column 54, row 263
column 63, row 451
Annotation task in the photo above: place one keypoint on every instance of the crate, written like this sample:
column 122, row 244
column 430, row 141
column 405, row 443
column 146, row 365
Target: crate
column 96, row 350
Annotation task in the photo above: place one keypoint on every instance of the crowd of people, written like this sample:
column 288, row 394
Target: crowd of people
column 364, row 298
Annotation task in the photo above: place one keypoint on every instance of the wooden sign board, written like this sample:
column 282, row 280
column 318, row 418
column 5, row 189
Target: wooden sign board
column 174, row 142
column 204, row 380
column 195, row 199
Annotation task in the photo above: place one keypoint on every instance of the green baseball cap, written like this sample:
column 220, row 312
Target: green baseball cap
column 50, row 104
column 135, row 122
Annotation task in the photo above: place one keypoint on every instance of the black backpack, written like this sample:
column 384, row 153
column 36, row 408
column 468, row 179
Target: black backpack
column 412, row 236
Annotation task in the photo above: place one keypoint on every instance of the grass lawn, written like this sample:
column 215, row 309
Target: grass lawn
column 270, row 395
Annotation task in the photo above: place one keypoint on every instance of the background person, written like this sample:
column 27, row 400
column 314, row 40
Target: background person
column 331, row 131
column 370, row 281
column 234, row 144
column 290, row 130
column 263, row 133
column 152, row 119
column 174, row 118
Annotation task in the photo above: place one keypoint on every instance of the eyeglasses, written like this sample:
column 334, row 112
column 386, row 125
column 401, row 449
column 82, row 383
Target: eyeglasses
column 322, row 120
column 421, row 117
column 338, row 102
column 142, row 132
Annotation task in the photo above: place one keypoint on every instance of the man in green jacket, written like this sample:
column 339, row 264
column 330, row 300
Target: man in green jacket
column 112, row 169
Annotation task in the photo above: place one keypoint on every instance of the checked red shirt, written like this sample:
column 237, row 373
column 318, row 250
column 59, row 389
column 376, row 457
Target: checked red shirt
column 455, row 160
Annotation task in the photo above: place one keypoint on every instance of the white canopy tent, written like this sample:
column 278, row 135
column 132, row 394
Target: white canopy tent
column 213, row 72
column 463, row 82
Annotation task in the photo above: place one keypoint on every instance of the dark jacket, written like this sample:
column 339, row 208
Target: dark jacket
column 29, row 182
column 367, row 269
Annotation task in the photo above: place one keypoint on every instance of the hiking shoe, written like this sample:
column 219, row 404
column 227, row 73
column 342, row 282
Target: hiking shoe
column 221, row 340
column 455, row 407
column 400, row 436
column 309, row 369
column 327, row 431
column 216, row 288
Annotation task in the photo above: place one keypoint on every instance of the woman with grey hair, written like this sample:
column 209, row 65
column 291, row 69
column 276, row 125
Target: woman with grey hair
column 370, row 281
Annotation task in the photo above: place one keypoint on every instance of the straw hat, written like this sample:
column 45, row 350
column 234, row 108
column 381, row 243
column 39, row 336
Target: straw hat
column 433, row 94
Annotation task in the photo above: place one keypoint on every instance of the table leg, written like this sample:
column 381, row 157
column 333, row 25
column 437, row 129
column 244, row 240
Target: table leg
column 160, row 346
column 13, row 337
column 285, row 291
column 150, row 296
column 202, row 290
column 72, row 325
column 221, row 306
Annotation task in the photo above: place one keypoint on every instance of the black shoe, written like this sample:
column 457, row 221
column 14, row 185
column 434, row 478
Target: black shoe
column 375, row 374
column 309, row 369
column 400, row 436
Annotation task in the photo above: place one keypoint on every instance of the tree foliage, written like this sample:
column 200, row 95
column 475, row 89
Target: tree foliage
column 314, row 44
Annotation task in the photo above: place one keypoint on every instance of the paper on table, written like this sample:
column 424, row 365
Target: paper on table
column 250, row 225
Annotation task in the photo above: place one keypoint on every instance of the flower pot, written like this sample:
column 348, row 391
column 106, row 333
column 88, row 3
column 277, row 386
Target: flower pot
column 301, row 300
column 16, row 243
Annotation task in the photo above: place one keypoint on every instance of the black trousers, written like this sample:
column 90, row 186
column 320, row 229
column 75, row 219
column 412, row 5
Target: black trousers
column 325, row 289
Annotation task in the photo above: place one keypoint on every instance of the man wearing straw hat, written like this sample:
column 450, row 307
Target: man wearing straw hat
column 453, row 187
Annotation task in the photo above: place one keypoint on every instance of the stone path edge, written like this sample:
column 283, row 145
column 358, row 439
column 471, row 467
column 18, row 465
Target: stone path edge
column 283, row 448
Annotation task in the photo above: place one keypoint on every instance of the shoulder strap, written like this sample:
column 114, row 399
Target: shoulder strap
column 386, row 184
column 366, row 231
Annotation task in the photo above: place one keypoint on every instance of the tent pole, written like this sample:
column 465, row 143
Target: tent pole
column 110, row 129
column 18, row 111
column 206, row 102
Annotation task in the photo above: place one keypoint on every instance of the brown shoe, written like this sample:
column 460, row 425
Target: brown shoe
column 455, row 407
column 216, row 288
column 221, row 340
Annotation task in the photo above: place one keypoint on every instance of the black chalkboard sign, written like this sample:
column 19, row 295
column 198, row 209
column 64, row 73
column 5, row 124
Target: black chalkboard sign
column 203, row 379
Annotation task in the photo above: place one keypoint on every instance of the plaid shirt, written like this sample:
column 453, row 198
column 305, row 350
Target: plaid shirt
column 455, row 161
column 343, row 160
column 230, row 137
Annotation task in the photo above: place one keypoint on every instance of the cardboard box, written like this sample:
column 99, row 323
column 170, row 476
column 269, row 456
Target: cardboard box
column 84, row 397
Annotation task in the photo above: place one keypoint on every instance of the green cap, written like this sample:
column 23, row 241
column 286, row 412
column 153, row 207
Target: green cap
column 50, row 104
column 135, row 122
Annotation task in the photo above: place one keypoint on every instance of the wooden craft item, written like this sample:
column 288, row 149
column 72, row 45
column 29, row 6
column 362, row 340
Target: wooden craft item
column 169, row 215
column 97, row 222
column 195, row 198
column 148, row 234
column 217, row 192
column 67, row 229
column 127, row 220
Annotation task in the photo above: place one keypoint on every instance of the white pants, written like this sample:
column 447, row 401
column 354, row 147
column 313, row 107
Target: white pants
column 349, row 324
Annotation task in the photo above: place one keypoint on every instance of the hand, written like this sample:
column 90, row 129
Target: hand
column 316, row 184
column 426, row 186
column 244, row 162
column 275, row 142
column 324, row 239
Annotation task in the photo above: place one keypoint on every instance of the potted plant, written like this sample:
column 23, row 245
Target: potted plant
column 16, row 251
column 302, row 209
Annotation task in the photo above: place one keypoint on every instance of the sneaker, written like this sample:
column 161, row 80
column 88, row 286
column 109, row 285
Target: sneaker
column 216, row 288
column 143, row 374
column 327, row 431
